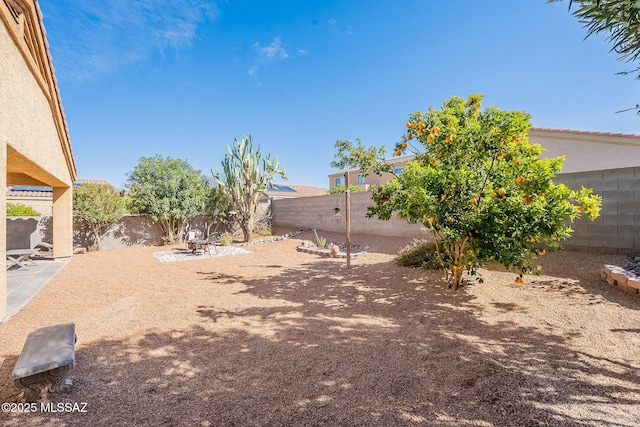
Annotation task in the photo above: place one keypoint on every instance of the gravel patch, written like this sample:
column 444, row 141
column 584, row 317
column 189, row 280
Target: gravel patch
column 282, row 338
column 177, row 254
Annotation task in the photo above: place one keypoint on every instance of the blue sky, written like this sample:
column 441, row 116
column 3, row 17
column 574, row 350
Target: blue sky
column 183, row 78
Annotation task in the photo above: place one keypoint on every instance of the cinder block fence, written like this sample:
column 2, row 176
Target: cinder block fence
column 617, row 229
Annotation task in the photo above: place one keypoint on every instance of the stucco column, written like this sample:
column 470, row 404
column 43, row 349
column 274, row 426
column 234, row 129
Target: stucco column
column 62, row 222
column 3, row 230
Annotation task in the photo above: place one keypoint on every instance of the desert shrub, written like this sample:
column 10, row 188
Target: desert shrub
column 225, row 239
column 19, row 209
column 321, row 242
column 262, row 220
column 419, row 254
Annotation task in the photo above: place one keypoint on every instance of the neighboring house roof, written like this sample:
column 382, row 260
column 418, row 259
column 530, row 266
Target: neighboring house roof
column 23, row 191
column 617, row 138
column 32, row 191
column 92, row 181
column 281, row 191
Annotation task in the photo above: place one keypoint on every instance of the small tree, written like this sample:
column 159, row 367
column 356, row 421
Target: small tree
column 478, row 185
column 170, row 191
column 20, row 209
column 97, row 207
column 216, row 207
column 246, row 175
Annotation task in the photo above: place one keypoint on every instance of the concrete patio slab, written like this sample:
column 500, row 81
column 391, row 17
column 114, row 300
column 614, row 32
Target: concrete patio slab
column 23, row 283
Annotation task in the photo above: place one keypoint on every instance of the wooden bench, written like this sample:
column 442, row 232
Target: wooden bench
column 47, row 357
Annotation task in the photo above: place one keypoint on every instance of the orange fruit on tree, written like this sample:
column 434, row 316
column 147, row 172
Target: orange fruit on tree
column 541, row 252
column 501, row 192
column 494, row 196
column 449, row 138
column 474, row 201
column 435, row 129
column 430, row 137
column 409, row 136
column 520, row 179
column 397, row 153
column 443, row 197
column 403, row 145
column 516, row 163
column 409, row 125
column 449, row 219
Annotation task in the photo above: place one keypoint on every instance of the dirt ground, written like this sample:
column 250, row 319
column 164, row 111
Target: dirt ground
column 278, row 337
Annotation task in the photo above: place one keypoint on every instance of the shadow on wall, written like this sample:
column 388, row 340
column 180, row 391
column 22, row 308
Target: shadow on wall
column 19, row 232
column 131, row 230
column 45, row 227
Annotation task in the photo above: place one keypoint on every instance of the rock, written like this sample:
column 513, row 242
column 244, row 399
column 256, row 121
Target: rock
column 335, row 250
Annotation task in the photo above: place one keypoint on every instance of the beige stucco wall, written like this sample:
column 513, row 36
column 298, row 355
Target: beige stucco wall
column 27, row 124
column 41, row 204
column 588, row 151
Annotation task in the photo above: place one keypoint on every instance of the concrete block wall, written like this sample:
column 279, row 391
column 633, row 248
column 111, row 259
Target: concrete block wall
column 319, row 212
column 24, row 232
column 617, row 230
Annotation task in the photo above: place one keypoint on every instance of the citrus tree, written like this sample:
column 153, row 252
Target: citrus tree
column 478, row 185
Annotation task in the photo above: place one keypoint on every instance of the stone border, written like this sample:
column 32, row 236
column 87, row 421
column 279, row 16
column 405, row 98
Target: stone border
column 325, row 252
column 276, row 238
column 621, row 278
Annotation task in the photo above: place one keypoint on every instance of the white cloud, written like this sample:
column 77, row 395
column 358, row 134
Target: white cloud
column 89, row 36
column 266, row 54
column 272, row 52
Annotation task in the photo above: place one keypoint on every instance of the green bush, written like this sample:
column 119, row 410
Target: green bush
column 19, row 209
column 419, row 254
column 225, row 239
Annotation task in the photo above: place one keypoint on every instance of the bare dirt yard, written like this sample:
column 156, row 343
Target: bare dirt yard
column 277, row 337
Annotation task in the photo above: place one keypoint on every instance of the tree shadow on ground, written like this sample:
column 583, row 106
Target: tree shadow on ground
column 582, row 282
column 348, row 348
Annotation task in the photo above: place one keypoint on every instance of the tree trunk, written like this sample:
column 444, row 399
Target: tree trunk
column 96, row 237
column 246, row 231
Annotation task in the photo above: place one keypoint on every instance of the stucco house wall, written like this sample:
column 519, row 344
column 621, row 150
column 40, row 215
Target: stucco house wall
column 588, row 150
column 34, row 140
